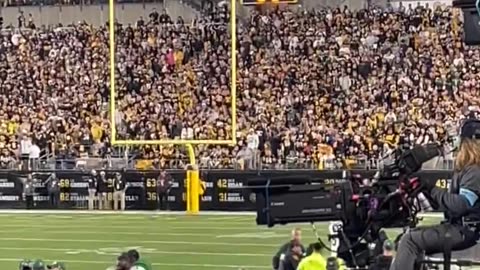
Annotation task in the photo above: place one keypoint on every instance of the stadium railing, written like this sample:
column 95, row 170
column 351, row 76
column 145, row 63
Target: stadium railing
column 229, row 163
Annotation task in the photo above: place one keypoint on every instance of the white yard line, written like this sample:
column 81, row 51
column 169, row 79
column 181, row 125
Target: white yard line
column 50, row 240
column 129, row 220
column 158, row 227
column 99, row 252
column 232, row 218
column 73, row 232
column 154, row 264
column 106, row 212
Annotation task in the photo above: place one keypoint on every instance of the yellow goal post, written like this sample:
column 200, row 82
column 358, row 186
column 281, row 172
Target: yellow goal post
column 193, row 185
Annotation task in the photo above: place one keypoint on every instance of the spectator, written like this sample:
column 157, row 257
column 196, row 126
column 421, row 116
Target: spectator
column 34, row 156
column 25, row 150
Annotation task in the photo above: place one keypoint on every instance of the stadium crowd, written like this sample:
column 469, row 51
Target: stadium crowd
column 311, row 85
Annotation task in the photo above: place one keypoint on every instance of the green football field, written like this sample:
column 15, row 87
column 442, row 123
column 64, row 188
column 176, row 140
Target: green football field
column 92, row 241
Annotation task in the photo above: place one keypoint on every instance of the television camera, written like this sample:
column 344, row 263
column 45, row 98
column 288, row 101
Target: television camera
column 363, row 206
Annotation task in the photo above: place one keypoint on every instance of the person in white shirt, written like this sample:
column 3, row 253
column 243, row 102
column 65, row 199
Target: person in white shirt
column 34, row 156
column 25, row 145
column 253, row 140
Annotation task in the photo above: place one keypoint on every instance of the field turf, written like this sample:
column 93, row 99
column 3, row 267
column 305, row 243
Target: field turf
column 176, row 242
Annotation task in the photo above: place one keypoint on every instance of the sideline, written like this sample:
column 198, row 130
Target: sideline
column 50, row 240
column 154, row 264
column 254, row 235
column 108, row 252
column 107, row 212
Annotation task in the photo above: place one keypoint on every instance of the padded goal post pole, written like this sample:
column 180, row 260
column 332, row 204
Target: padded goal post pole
column 193, row 183
column 195, row 187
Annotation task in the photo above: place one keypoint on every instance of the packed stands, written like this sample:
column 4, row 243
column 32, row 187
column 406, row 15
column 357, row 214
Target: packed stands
column 312, row 86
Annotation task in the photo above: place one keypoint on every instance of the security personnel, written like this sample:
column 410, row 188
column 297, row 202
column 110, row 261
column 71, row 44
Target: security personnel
column 92, row 190
column 314, row 261
column 102, row 190
column 53, row 189
column 287, row 247
column 291, row 259
column 29, row 191
column 164, row 184
column 119, row 188
column 461, row 206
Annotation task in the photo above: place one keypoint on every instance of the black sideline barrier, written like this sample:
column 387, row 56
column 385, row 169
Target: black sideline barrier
column 224, row 189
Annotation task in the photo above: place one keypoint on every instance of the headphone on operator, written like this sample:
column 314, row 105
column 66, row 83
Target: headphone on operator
column 470, row 129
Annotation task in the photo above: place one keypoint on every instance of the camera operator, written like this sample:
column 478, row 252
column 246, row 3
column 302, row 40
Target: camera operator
column 164, row 184
column 287, row 247
column 383, row 261
column 53, row 189
column 29, row 191
column 460, row 204
column 92, row 190
column 119, row 188
column 102, row 190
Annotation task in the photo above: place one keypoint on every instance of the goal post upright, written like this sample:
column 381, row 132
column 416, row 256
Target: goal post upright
column 111, row 28
column 193, row 186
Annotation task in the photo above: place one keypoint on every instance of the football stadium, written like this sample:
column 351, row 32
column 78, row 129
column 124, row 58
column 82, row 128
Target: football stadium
column 239, row 134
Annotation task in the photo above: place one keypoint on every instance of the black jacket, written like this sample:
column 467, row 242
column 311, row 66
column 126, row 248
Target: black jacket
column 102, row 185
column 52, row 185
column 285, row 250
column 164, row 183
column 381, row 263
column 289, row 262
column 119, row 184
